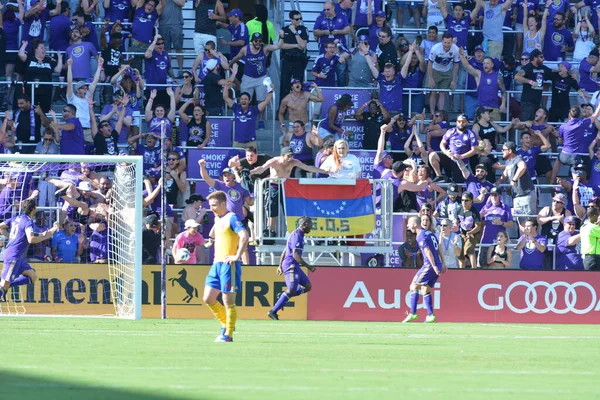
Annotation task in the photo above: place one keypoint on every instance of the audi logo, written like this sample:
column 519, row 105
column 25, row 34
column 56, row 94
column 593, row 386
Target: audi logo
column 550, row 298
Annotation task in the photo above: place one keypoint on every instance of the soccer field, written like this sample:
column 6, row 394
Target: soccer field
column 45, row 358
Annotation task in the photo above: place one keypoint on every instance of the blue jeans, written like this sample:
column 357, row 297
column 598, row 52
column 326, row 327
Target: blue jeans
column 470, row 106
column 417, row 103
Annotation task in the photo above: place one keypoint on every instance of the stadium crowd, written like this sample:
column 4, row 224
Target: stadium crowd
column 489, row 67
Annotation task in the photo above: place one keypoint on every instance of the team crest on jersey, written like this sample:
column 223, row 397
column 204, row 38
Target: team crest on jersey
column 557, row 3
column 557, row 38
column 234, row 195
column 489, row 14
column 488, row 81
column 529, row 250
column 77, row 51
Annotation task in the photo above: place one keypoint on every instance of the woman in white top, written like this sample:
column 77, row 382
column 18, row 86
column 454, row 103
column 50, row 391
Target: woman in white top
column 584, row 39
column 341, row 164
column 432, row 11
column 533, row 39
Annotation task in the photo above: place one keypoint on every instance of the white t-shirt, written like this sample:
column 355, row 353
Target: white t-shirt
column 350, row 167
column 443, row 61
column 83, row 109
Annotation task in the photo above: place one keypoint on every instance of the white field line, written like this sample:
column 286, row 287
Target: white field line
column 546, row 328
column 110, row 332
column 300, row 370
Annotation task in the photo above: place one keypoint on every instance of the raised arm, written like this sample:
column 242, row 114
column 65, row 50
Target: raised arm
column 265, row 103
column 372, row 67
column 226, row 97
column 70, row 78
column 150, row 49
column 204, row 173
column 148, row 111
column 172, row 105
column 182, row 114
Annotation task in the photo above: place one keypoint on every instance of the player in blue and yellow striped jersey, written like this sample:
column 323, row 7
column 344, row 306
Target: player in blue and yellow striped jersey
column 225, row 275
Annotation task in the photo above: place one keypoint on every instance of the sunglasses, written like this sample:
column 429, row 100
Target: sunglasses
column 444, row 225
column 437, row 115
column 47, row 140
column 159, row 43
column 465, row 200
column 173, row 159
column 187, row 76
column 524, row 58
column 297, row 19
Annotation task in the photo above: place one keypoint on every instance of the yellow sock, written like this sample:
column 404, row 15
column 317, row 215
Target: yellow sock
column 231, row 318
column 219, row 312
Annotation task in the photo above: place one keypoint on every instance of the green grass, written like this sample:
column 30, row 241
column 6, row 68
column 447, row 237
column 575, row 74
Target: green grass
column 60, row 358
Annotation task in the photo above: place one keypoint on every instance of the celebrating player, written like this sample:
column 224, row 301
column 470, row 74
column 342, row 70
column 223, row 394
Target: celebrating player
column 289, row 264
column 16, row 270
column 433, row 267
column 225, row 275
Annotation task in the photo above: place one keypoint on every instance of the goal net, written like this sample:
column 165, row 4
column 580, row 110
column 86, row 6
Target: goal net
column 92, row 265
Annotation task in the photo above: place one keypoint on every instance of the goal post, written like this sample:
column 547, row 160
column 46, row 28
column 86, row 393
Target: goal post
column 62, row 288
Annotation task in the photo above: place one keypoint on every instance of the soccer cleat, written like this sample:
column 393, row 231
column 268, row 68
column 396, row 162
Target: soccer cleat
column 410, row 317
column 261, row 125
column 273, row 315
column 2, row 295
column 430, row 318
column 223, row 338
column 223, row 330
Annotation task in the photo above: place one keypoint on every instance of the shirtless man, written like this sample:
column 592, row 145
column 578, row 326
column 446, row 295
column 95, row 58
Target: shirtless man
column 280, row 167
column 296, row 104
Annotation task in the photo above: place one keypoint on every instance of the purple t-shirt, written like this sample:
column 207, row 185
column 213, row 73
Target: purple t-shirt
column 143, row 25
column 567, row 257
column 295, row 243
column 113, row 121
column 245, row 123
column 16, row 248
column 334, row 24
column 414, row 79
column 239, row 32
column 157, row 68
column 460, row 142
column 390, row 93
column 530, row 157
column 155, row 206
column 474, row 186
column 398, row 137
column 236, row 196
column 255, row 64
column 35, row 27
column 531, row 6
column 72, row 141
column 555, row 38
column 81, row 54
column 594, row 180
column 151, row 156
column 531, row 257
column 426, row 239
column 99, row 245
column 435, row 141
column 11, row 33
column 60, row 29
column 490, row 231
column 326, row 66
column 155, row 125
column 118, row 10
column 586, row 81
column 459, row 28
column 572, row 133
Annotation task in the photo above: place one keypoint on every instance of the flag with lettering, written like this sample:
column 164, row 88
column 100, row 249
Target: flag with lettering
column 336, row 210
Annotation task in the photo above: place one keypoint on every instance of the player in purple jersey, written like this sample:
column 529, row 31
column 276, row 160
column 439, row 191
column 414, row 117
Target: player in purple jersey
column 433, row 267
column 290, row 266
column 16, row 270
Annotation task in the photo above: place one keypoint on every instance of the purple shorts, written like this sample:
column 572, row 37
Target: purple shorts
column 294, row 276
column 13, row 268
column 426, row 276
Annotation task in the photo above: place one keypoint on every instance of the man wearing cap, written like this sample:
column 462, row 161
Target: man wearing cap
column 293, row 51
column 442, row 70
column 590, row 240
column 568, row 250
column 489, row 82
column 188, row 239
column 446, row 207
column 578, row 187
column 558, row 40
column 151, row 152
column 79, row 93
column 459, row 142
column 255, row 69
column 562, row 83
column 280, row 167
column 477, row 184
column 532, row 76
column 571, row 136
column 150, row 239
column 238, row 30
column 588, row 68
column 471, row 96
column 523, row 189
column 170, row 27
column 296, row 104
column 330, row 26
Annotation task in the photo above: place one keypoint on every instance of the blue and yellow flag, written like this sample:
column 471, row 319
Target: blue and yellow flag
column 336, row 210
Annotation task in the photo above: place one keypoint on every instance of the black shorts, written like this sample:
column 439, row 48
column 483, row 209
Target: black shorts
column 274, row 199
column 542, row 165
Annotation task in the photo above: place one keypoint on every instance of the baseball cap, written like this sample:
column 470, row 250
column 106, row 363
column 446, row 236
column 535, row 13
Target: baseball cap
column 84, row 186
column 210, row 65
column 571, row 219
column 236, row 12
column 535, row 53
column 190, row 223
column 481, row 110
column 363, row 38
column 195, row 197
column 153, row 173
column 480, row 166
column 152, row 220
column 452, row 190
column 257, row 35
column 512, row 146
column 380, row 13
column 399, row 166
column 494, row 190
column 228, row 171
column 560, row 197
column 462, row 116
column 286, row 151
column 595, row 52
column 80, row 84
column 118, row 93
column 467, row 195
column 566, row 65
column 478, row 48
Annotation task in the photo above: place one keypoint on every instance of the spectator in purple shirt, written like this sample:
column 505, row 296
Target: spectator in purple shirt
column 330, row 26
column 110, row 113
column 60, row 28
column 532, row 247
column 145, row 17
column 238, row 30
column 72, row 140
column 559, row 39
column 567, row 255
column 81, row 52
column 588, row 68
column 35, row 19
column 324, row 68
column 570, row 135
column 158, row 69
column 459, row 142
